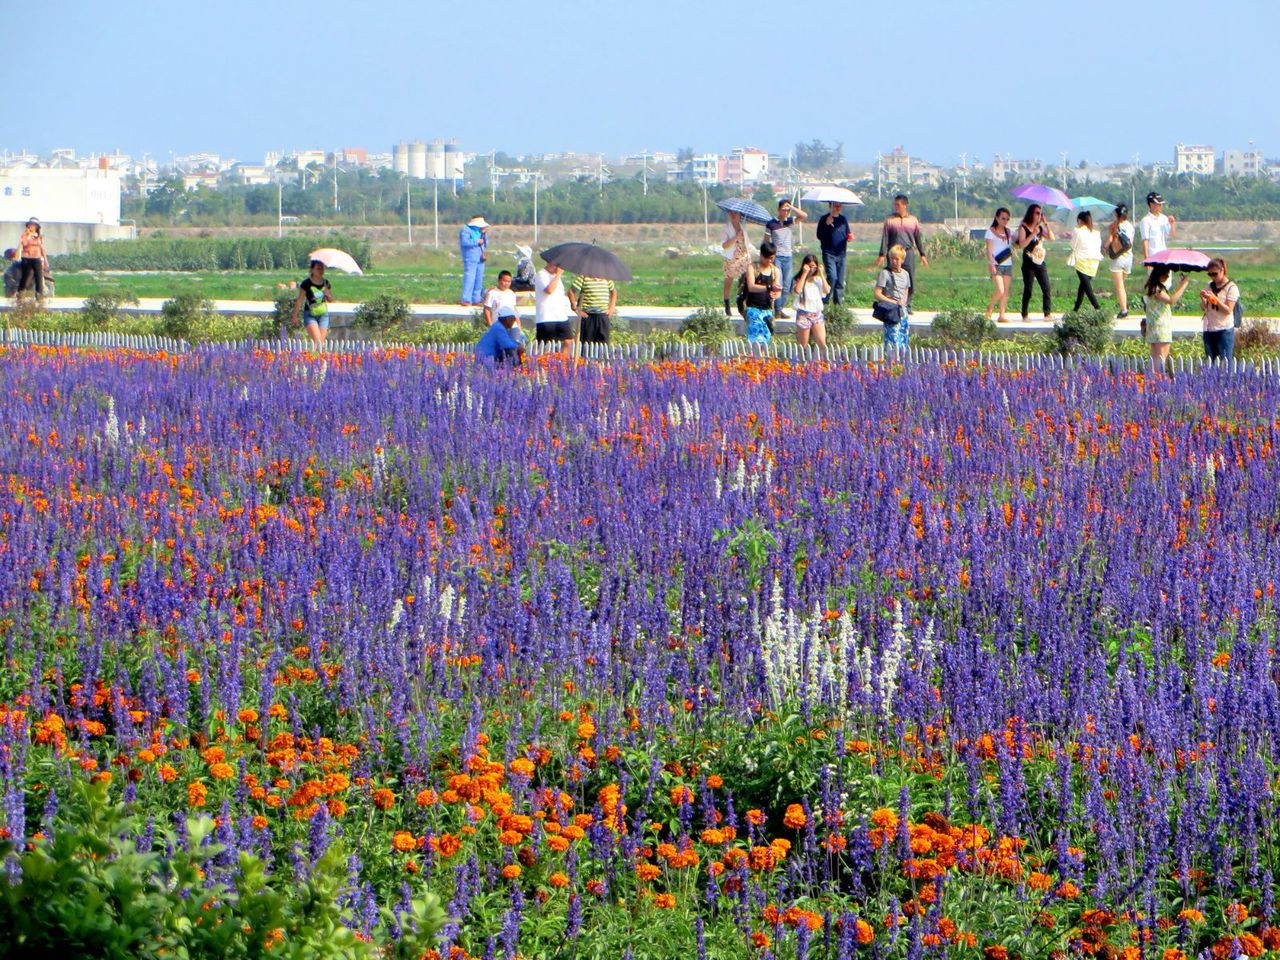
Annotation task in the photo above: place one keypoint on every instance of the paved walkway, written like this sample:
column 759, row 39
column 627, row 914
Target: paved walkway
column 639, row 319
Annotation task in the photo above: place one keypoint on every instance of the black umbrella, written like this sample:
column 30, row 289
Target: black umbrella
column 587, row 260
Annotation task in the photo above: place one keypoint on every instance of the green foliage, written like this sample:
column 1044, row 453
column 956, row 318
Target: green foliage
column 1086, row 331
column 282, row 307
column 210, row 253
column 91, row 892
column 963, row 328
column 439, row 331
column 382, row 313
column 838, row 319
column 102, row 309
column 1257, row 336
column 183, row 317
column 946, row 244
column 707, row 325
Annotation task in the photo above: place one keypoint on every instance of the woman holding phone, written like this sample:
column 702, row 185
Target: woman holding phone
column 811, row 289
column 1033, row 233
column 1000, row 262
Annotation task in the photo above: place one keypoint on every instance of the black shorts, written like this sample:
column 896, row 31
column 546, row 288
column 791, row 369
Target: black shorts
column 554, row 332
column 595, row 328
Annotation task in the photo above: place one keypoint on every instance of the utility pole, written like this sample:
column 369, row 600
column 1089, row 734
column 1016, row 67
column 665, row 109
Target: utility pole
column 644, row 173
column 435, row 208
column 336, row 208
column 878, row 166
column 408, row 205
column 279, row 209
column 706, row 218
column 1064, row 171
column 600, row 172
column 493, row 176
column 536, row 177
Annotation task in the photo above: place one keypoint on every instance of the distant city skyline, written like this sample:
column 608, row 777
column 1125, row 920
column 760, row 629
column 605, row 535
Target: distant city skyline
column 1098, row 80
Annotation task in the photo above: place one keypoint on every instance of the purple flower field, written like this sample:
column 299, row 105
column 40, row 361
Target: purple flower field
column 729, row 660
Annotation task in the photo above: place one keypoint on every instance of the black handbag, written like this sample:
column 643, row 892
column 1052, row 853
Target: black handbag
column 886, row 312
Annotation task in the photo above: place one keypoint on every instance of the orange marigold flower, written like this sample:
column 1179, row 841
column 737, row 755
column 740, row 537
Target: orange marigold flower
column 760, row 940
column 865, row 933
column 1191, row 916
column 247, row 716
column 511, row 837
column 715, row 781
column 426, row 798
column 664, row 901
column 404, row 841
column 446, row 845
column 167, row 773
column 259, row 822
column 884, row 818
column 558, row 844
column 680, row 795
column 222, row 771
column 511, row 871
column 1236, row 912
column 647, row 871
column 336, row 807
column 383, row 798
column 755, row 817
column 558, row 880
column 995, row 952
column 1173, row 953
column 795, row 817
column 197, row 792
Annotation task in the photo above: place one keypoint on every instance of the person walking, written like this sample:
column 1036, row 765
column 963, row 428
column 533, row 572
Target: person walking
column 1085, row 256
column 833, row 241
column 1218, row 301
column 737, row 255
column 893, row 290
column 1033, row 233
column 315, row 293
column 594, row 301
column 902, row 229
column 1157, row 227
column 999, row 241
column 780, row 235
column 35, row 262
column 473, row 243
column 552, row 308
column 1119, row 250
column 810, row 288
column 764, row 289
column 1158, row 299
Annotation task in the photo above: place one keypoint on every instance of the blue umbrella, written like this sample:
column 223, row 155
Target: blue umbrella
column 1080, row 204
column 748, row 209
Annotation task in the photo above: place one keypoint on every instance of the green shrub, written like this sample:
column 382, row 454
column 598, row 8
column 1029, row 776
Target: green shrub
column 838, row 319
column 706, row 325
column 947, row 244
column 382, row 313
column 182, row 317
column 963, row 328
column 438, row 331
column 282, row 310
column 210, row 253
column 91, row 892
column 1086, row 331
column 103, row 309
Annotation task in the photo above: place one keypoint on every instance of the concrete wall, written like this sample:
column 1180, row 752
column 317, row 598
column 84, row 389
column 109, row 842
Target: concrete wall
column 67, row 237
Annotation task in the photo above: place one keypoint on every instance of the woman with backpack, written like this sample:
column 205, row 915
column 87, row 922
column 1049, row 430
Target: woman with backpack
column 1119, row 250
column 1219, row 301
column 1033, row 233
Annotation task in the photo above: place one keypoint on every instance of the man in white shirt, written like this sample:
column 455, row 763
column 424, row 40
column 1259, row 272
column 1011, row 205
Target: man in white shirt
column 499, row 298
column 1156, row 227
column 552, row 307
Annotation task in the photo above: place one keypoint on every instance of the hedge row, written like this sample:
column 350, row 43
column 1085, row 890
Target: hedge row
column 209, row 253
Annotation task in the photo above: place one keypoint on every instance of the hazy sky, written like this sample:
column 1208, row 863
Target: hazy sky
column 1101, row 80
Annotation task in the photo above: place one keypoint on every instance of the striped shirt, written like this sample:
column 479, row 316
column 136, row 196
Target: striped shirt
column 592, row 294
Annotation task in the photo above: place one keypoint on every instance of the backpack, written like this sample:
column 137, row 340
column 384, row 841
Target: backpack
column 1237, row 314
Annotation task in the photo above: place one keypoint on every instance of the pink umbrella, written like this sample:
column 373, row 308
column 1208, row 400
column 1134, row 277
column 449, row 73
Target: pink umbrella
column 1179, row 259
column 1041, row 194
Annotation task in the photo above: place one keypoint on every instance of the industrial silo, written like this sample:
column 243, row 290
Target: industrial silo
column 400, row 157
column 435, row 160
column 453, row 162
column 418, row 160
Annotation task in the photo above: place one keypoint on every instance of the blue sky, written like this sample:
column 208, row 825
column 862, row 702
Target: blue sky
column 1028, row 77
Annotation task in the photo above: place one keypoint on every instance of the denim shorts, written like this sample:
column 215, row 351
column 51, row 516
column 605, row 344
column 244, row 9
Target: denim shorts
column 1004, row 269
column 321, row 321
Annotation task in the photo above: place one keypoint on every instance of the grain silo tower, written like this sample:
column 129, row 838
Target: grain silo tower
column 453, row 162
column 400, row 158
column 418, row 160
column 435, row 160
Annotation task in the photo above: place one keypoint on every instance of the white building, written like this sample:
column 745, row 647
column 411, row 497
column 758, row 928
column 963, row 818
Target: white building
column 74, row 206
column 1243, row 163
column 1193, row 158
column 1007, row 168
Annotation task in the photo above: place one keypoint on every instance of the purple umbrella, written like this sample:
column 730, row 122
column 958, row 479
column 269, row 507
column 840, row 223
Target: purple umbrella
column 1179, row 259
column 1041, row 194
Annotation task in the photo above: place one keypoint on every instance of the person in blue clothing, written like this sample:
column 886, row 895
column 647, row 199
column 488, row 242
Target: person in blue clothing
column 833, row 239
column 503, row 342
column 473, row 243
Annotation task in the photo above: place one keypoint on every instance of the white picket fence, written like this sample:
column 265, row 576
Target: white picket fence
column 639, row 353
